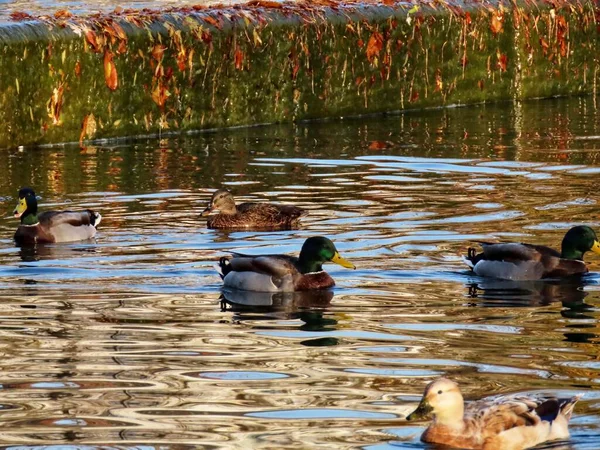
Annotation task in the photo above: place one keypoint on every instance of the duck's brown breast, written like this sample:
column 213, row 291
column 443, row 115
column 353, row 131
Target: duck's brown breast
column 317, row 280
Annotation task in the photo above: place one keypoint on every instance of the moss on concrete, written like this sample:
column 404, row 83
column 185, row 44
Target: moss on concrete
column 68, row 79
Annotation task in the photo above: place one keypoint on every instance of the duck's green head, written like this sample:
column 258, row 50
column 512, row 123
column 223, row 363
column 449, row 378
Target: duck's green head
column 318, row 250
column 221, row 201
column 27, row 206
column 579, row 240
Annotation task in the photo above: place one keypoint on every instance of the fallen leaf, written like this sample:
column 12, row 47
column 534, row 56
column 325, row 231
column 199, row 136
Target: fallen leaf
column 374, row 46
column 265, row 4
column 110, row 71
column 78, row 69
column 20, row 15
column 63, row 14
column 496, row 24
column 54, row 105
column 380, row 145
column 239, row 59
column 502, row 61
column 88, row 128
column 92, row 39
column 160, row 94
column 158, row 51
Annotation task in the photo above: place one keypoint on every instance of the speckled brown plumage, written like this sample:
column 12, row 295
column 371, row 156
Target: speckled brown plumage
column 250, row 215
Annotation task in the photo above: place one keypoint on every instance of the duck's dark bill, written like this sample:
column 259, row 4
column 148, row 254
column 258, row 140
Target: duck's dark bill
column 342, row 262
column 422, row 411
column 206, row 212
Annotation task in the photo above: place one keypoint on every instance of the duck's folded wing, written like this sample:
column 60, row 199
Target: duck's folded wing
column 494, row 417
column 512, row 252
column 273, row 265
column 74, row 218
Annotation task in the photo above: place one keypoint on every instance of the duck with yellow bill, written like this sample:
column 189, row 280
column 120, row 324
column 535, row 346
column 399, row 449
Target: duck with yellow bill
column 283, row 273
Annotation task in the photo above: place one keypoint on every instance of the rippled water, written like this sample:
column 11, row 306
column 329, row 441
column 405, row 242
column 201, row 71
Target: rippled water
column 126, row 342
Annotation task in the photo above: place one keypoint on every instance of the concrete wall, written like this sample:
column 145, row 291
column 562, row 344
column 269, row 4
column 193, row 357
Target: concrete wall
column 72, row 78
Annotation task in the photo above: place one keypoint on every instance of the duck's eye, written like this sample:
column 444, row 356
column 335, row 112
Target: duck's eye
column 440, row 392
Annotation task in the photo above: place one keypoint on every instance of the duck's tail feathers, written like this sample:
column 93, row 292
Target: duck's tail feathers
column 224, row 266
column 567, row 405
column 470, row 258
column 95, row 218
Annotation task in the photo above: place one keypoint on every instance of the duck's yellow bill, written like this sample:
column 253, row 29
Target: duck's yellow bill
column 342, row 262
column 21, row 208
column 596, row 247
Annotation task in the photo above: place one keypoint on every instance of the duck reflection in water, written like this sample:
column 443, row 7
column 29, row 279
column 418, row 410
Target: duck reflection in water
column 39, row 252
column 496, row 292
column 308, row 306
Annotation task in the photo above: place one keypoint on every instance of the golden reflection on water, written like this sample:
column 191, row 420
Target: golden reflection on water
column 129, row 340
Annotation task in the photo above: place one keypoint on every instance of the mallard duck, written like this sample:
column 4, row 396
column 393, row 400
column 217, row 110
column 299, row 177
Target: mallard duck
column 511, row 422
column 513, row 261
column 52, row 226
column 283, row 273
column 250, row 215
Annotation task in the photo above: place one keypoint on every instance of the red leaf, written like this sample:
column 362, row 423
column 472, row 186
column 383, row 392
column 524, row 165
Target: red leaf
column 78, row 69
column 214, row 22
column 239, row 59
column 110, row 71
column 19, row 15
column 374, row 46
column 380, row 145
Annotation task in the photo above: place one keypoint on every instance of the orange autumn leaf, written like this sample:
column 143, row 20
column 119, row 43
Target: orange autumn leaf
column 92, row 40
column 78, row 69
column 239, row 59
column 380, row 145
column 214, row 22
column 158, row 52
column 502, row 62
column 63, row 14
column 19, row 15
column 439, row 84
column 265, row 4
column 496, row 24
column 160, row 94
column 374, row 46
column 110, row 71
column 119, row 31
column 54, row 105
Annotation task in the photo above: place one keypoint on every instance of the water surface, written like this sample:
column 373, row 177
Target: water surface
column 128, row 342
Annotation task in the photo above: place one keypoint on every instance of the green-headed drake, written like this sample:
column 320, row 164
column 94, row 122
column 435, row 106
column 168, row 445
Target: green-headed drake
column 51, row 226
column 511, row 422
column 283, row 273
column 513, row 261
column 250, row 215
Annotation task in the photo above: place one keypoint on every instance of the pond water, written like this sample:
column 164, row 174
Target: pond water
column 126, row 342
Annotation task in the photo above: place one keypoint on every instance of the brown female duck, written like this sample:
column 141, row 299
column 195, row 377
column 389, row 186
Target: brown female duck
column 52, row 226
column 250, row 215
column 513, row 422
column 283, row 273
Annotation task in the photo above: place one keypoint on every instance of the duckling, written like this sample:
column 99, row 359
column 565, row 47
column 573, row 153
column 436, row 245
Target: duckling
column 511, row 422
column 514, row 261
column 250, row 215
column 283, row 273
column 52, row 226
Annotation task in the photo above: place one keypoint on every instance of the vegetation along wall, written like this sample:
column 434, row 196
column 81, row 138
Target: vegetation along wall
column 70, row 78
